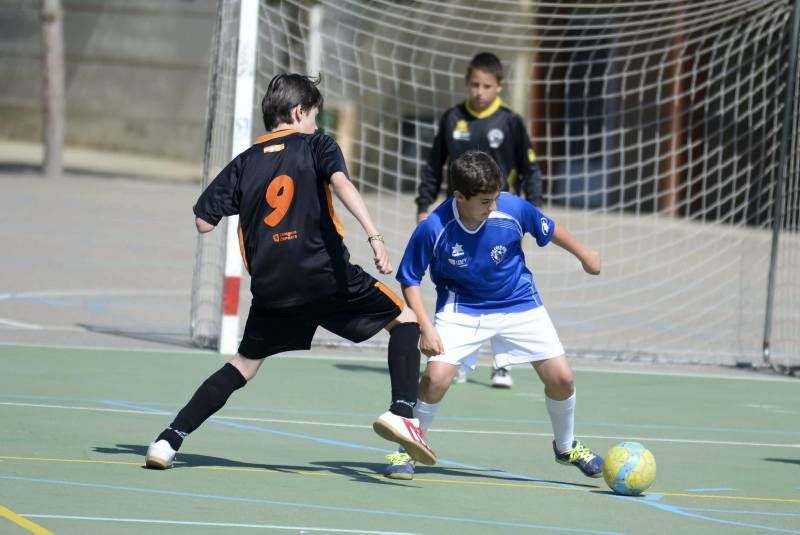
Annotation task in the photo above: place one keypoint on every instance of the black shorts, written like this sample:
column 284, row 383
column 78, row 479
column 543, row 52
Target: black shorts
column 357, row 316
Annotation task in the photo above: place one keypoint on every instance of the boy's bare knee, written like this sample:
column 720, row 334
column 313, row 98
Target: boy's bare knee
column 247, row 367
column 406, row 316
column 434, row 392
column 436, row 381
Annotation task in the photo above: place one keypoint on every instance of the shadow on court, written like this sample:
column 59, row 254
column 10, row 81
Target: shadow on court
column 356, row 470
column 787, row 461
column 384, row 371
column 362, row 368
column 175, row 339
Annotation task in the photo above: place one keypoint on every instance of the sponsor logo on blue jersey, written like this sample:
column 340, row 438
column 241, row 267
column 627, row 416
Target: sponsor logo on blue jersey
column 456, row 252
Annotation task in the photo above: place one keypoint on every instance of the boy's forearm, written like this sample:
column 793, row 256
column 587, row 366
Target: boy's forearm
column 352, row 200
column 588, row 258
column 413, row 296
column 564, row 239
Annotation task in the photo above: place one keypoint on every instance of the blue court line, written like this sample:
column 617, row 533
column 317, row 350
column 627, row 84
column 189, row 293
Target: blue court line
column 651, row 499
column 654, row 500
column 306, row 505
column 524, row 421
column 351, row 445
column 740, row 512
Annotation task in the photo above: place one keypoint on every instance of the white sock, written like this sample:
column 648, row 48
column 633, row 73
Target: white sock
column 425, row 413
column 562, row 418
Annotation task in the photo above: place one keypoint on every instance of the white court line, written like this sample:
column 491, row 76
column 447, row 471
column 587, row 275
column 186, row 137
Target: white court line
column 210, row 524
column 382, row 359
column 88, row 293
column 436, row 429
column 19, row 324
column 48, row 328
column 106, row 349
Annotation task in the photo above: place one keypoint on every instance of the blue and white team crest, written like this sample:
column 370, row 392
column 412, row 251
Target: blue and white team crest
column 498, row 253
column 545, row 227
column 495, row 137
column 455, row 256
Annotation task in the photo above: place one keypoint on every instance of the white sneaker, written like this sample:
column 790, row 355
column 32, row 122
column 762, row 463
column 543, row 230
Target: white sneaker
column 406, row 432
column 460, row 377
column 160, row 455
column 501, row 378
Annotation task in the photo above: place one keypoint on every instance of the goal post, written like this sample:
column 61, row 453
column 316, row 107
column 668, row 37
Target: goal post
column 218, row 267
column 658, row 125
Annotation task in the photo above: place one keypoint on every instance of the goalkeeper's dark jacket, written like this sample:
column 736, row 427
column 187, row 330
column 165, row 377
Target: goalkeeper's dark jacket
column 498, row 131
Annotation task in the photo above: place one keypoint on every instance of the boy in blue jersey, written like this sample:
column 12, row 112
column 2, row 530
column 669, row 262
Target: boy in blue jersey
column 472, row 244
column 301, row 278
column 482, row 122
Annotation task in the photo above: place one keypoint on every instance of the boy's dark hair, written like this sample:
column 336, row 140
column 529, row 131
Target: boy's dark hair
column 475, row 172
column 486, row 62
column 285, row 91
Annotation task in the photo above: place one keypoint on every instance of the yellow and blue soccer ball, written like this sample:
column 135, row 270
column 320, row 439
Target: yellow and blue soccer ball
column 629, row 468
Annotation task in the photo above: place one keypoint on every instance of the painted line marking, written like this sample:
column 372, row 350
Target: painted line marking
column 215, row 524
column 23, row 522
column 718, row 489
column 688, row 514
column 88, row 293
column 318, row 507
column 377, row 477
column 740, row 512
column 437, row 430
column 382, row 360
column 171, row 408
column 19, row 325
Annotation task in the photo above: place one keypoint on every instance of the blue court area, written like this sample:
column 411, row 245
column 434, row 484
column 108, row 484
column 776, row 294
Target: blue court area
column 294, row 451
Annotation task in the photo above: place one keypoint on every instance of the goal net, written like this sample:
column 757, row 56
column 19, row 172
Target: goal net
column 667, row 133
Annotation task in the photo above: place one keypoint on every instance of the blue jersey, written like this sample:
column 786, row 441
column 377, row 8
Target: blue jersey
column 477, row 271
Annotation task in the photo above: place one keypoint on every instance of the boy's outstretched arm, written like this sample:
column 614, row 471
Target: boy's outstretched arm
column 351, row 198
column 589, row 258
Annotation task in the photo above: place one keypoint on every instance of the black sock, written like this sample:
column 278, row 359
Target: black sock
column 175, row 438
column 208, row 399
column 404, row 368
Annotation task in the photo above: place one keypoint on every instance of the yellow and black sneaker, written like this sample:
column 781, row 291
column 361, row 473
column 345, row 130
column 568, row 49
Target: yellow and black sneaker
column 401, row 466
column 582, row 457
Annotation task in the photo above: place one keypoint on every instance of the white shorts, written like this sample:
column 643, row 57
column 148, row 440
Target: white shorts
column 516, row 337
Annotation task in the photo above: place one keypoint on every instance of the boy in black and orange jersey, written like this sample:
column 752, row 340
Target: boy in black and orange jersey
column 301, row 276
column 484, row 123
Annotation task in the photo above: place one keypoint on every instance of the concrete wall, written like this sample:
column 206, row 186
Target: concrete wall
column 136, row 74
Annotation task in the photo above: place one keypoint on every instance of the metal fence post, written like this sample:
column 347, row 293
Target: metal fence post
column 777, row 214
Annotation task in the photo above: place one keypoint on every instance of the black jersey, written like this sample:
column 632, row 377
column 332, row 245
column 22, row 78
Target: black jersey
column 498, row 131
column 291, row 240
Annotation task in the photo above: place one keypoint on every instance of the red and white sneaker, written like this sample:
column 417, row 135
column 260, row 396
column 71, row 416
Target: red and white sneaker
column 406, row 432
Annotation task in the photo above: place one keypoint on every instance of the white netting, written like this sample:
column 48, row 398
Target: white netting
column 657, row 125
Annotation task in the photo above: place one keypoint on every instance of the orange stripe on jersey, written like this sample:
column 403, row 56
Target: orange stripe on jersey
column 336, row 221
column 390, row 294
column 241, row 249
column 275, row 135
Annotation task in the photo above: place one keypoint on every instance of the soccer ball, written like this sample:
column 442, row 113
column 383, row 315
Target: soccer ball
column 629, row 468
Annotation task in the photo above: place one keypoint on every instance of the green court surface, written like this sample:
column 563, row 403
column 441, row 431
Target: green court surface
column 294, row 451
